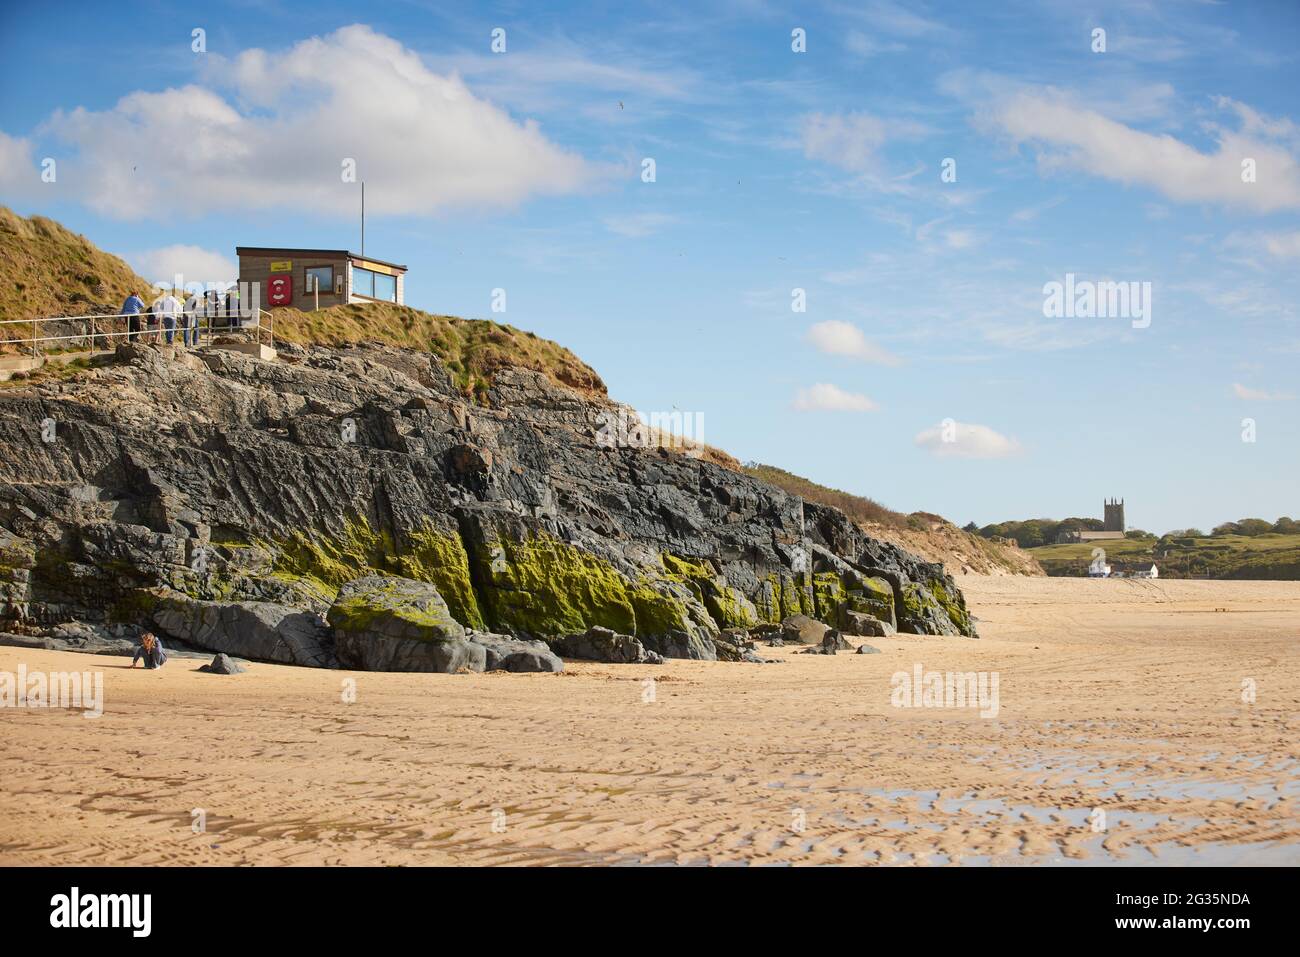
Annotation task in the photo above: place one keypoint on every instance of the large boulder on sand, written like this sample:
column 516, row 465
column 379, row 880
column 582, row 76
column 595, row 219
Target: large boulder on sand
column 833, row 641
column 256, row 630
column 682, row 644
column 503, row 653
column 866, row 626
column 223, row 664
column 605, row 644
column 803, row 630
column 396, row 624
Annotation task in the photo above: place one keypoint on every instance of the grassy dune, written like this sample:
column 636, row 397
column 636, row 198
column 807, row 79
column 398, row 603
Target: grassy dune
column 47, row 270
column 931, row 536
column 473, row 349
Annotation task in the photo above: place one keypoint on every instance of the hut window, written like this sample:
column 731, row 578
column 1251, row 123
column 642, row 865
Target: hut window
column 320, row 277
column 373, row 285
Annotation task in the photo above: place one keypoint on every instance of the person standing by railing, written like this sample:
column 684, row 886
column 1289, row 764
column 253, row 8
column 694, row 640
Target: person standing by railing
column 233, row 315
column 190, row 319
column 131, row 309
column 166, row 309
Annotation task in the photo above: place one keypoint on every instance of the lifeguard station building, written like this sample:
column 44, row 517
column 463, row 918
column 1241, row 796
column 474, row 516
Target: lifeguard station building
column 294, row 277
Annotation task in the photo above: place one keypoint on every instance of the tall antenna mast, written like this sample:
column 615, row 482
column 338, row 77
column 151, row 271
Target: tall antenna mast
column 363, row 218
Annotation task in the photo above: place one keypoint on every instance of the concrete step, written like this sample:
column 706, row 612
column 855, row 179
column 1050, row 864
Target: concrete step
column 11, row 364
column 257, row 350
column 14, row 363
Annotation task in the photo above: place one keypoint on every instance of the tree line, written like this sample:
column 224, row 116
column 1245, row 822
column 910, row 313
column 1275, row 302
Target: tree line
column 1045, row 531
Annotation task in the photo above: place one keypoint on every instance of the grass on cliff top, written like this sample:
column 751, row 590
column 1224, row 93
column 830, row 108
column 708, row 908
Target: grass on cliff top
column 47, row 270
column 859, row 508
column 923, row 533
column 473, row 350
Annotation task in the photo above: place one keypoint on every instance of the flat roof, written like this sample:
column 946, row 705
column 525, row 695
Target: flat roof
column 333, row 253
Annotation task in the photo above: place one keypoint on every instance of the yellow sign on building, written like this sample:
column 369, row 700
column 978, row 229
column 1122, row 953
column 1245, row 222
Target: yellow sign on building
column 283, row 266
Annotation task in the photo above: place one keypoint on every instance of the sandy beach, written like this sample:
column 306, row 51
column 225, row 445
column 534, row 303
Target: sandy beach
column 1121, row 737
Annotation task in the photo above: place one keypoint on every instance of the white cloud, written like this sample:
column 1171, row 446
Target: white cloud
column 194, row 263
column 824, row 397
column 951, row 438
column 852, row 141
column 849, row 141
column 845, row 339
column 1110, row 94
column 895, row 19
column 422, row 141
column 1259, row 395
column 1078, row 137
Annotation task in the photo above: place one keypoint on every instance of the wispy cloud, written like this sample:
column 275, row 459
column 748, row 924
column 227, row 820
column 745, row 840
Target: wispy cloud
column 1073, row 136
column 895, row 19
column 865, row 45
column 954, row 439
column 1273, row 245
column 852, row 141
column 824, row 397
column 637, row 225
column 1029, row 214
column 837, row 338
column 1259, row 395
column 959, row 238
column 561, row 75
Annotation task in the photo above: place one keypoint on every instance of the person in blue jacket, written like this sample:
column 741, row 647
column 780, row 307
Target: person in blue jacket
column 132, row 308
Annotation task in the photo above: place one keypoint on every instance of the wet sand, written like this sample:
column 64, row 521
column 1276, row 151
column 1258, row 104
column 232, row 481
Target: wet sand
column 1121, row 737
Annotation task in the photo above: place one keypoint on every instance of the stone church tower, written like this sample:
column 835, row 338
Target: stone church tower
column 1114, row 515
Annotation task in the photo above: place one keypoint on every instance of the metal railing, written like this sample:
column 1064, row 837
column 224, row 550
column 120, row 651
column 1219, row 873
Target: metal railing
column 151, row 328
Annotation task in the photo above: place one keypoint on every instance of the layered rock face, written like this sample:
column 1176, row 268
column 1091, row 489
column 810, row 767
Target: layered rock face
column 162, row 487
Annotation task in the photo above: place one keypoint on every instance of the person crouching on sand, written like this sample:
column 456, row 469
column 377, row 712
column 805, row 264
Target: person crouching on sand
column 151, row 650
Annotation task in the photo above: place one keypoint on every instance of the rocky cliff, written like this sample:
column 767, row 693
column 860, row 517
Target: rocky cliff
column 160, row 486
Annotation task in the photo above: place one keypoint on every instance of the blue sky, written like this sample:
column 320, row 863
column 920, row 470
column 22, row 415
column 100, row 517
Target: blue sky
column 775, row 171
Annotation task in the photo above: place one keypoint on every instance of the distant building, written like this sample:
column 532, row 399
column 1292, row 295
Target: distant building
column 1113, row 525
column 292, row 277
